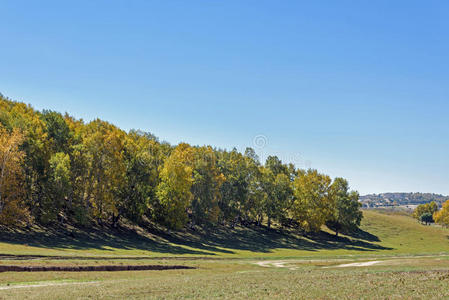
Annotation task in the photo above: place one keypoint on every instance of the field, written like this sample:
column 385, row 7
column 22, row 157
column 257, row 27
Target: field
column 392, row 256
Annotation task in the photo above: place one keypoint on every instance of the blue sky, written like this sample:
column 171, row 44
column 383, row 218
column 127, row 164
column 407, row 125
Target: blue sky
column 358, row 89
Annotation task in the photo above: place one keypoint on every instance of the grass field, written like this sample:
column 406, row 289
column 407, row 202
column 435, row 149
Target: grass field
column 380, row 234
column 392, row 256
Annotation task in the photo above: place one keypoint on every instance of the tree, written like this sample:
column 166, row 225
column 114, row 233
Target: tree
column 207, row 180
column 11, row 177
column 253, row 208
column 36, row 147
column 278, row 196
column 80, row 196
column 234, row 190
column 312, row 205
column 174, row 190
column 58, row 132
column 442, row 216
column 141, row 156
column 346, row 213
column 275, row 165
column 426, row 218
column 276, row 183
column 427, row 208
column 60, row 181
column 251, row 155
column 103, row 146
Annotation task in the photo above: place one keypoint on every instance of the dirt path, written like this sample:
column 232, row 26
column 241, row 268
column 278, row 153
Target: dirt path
column 44, row 285
column 360, row 264
column 8, row 268
column 290, row 264
column 276, row 264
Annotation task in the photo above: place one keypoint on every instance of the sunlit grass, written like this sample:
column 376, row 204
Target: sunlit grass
column 242, row 279
column 412, row 262
column 382, row 234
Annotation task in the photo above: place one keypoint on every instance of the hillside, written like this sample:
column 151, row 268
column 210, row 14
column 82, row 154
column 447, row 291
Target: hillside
column 397, row 199
column 380, row 234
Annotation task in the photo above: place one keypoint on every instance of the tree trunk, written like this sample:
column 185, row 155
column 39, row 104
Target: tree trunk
column 115, row 220
column 1, row 202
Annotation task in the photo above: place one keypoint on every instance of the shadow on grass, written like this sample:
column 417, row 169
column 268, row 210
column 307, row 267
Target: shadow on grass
column 206, row 242
column 363, row 235
column 261, row 239
column 94, row 239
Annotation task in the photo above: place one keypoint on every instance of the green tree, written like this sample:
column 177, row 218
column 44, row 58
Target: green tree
column 278, row 195
column 276, row 182
column 426, row 218
column 234, row 190
column 207, row 180
column 141, row 156
column 60, row 184
column 58, row 132
column 346, row 213
column 275, row 165
column 79, row 200
column 253, row 208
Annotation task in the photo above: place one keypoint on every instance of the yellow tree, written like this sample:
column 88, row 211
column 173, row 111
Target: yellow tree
column 11, row 177
column 104, row 144
column 429, row 208
column 174, row 190
column 312, row 206
column 442, row 216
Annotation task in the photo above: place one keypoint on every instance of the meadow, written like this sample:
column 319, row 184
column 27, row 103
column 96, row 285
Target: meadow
column 391, row 256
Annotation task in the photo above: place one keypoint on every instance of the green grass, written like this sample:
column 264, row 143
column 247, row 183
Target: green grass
column 242, row 279
column 412, row 262
column 380, row 234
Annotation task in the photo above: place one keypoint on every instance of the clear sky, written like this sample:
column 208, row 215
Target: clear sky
column 358, row 89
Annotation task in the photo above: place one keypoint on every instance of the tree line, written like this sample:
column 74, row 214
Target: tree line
column 55, row 168
column 430, row 213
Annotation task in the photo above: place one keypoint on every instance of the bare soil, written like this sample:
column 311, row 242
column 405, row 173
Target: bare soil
column 110, row 268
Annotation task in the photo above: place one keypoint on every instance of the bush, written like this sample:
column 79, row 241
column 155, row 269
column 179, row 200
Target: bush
column 426, row 218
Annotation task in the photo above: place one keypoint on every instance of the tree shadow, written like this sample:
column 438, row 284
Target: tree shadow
column 261, row 239
column 93, row 239
column 204, row 242
column 362, row 235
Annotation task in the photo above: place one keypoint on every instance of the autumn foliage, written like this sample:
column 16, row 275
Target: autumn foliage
column 442, row 216
column 55, row 168
column 12, row 192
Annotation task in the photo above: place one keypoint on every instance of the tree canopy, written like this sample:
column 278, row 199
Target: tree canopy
column 55, row 168
column 427, row 208
column 442, row 216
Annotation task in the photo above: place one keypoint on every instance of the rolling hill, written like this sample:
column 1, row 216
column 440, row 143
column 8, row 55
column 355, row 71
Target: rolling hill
column 397, row 199
column 381, row 233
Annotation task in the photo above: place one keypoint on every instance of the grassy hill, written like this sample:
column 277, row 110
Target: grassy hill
column 380, row 234
column 388, row 258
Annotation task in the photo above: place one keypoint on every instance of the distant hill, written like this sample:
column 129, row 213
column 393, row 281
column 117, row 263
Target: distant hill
column 397, row 199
